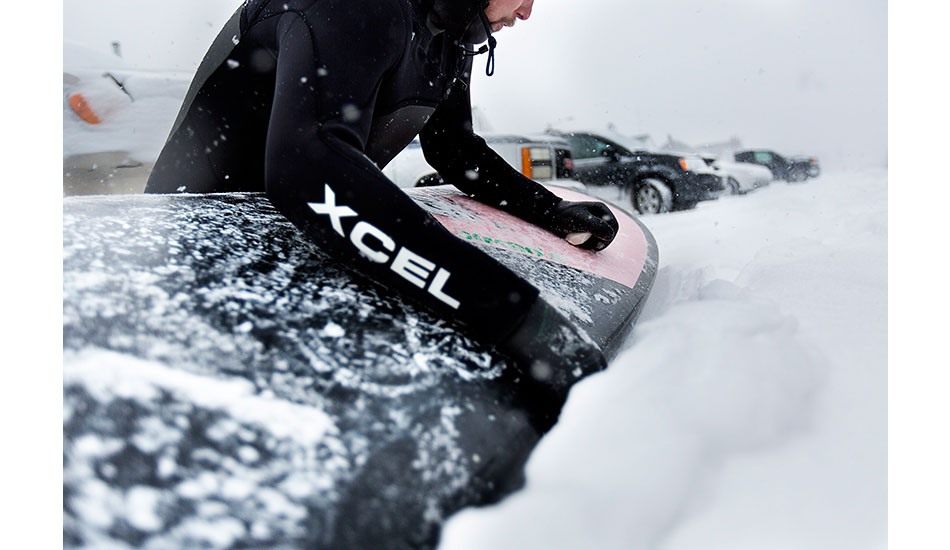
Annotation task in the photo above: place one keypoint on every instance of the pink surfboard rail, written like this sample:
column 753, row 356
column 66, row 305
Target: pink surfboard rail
column 621, row 262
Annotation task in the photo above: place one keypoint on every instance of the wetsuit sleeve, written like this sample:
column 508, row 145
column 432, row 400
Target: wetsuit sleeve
column 328, row 72
column 464, row 160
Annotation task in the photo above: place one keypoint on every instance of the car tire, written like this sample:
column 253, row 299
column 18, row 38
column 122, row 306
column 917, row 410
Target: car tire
column 733, row 186
column 652, row 196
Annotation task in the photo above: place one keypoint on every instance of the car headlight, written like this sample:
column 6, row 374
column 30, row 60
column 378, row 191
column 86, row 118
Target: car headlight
column 537, row 163
column 693, row 164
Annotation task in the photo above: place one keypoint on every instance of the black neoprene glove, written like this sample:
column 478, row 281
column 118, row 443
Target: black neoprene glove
column 589, row 225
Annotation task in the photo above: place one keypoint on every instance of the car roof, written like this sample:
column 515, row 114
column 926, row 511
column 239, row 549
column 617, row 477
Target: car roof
column 517, row 138
column 607, row 136
column 538, row 139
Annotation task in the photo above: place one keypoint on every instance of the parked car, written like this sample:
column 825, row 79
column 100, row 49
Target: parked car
column 545, row 159
column 813, row 170
column 788, row 169
column 655, row 182
column 740, row 177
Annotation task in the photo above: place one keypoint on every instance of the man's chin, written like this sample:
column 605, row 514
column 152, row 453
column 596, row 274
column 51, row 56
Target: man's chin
column 498, row 25
column 476, row 32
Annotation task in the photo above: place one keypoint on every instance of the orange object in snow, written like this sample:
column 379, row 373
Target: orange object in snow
column 82, row 108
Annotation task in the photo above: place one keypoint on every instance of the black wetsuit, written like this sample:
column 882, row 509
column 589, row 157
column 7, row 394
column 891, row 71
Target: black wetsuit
column 308, row 99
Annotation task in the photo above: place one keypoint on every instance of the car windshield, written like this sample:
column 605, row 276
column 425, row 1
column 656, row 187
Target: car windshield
column 585, row 146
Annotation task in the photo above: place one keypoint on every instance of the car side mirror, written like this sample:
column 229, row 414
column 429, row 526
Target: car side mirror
column 612, row 154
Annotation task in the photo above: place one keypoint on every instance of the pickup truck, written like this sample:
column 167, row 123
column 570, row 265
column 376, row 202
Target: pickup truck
column 545, row 159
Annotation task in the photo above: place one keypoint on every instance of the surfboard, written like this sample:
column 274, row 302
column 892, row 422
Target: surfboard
column 228, row 385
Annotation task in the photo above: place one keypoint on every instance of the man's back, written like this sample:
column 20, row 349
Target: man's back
column 218, row 143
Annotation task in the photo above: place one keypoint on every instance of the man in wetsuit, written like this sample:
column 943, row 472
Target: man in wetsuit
column 308, row 99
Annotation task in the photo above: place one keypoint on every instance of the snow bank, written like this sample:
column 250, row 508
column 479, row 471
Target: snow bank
column 749, row 410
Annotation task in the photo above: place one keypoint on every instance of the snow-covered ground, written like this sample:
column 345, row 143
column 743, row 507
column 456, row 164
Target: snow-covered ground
column 749, row 409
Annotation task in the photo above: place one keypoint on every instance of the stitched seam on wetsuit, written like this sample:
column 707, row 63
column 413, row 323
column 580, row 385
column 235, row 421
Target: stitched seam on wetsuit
column 264, row 5
column 218, row 175
column 407, row 33
column 257, row 19
column 411, row 102
column 316, row 55
column 408, row 18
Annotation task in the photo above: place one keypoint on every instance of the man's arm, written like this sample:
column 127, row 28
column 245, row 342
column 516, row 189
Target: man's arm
column 464, row 160
column 328, row 69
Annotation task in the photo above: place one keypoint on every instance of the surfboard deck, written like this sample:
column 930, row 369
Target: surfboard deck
column 226, row 384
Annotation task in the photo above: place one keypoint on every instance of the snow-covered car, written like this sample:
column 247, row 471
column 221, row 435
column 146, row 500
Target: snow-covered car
column 545, row 159
column 740, row 177
column 115, row 120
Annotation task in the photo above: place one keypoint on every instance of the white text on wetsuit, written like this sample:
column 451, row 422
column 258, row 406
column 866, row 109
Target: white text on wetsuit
column 407, row 264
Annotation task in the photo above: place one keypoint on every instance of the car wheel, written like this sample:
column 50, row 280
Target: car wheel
column 733, row 186
column 652, row 196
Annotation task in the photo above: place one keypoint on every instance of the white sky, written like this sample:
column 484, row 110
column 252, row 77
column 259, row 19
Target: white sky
column 799, row 76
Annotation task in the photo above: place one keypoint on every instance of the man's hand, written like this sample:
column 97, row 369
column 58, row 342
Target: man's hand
column 589, row 225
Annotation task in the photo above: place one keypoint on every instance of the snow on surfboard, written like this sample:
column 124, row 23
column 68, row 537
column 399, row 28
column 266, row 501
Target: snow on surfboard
column 228, row 385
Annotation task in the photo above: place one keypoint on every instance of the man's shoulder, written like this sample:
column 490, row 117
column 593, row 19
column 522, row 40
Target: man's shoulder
column 390, row 9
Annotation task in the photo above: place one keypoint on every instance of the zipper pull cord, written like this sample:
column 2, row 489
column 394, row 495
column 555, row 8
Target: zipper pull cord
column 492, row 43
column 490, row 48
